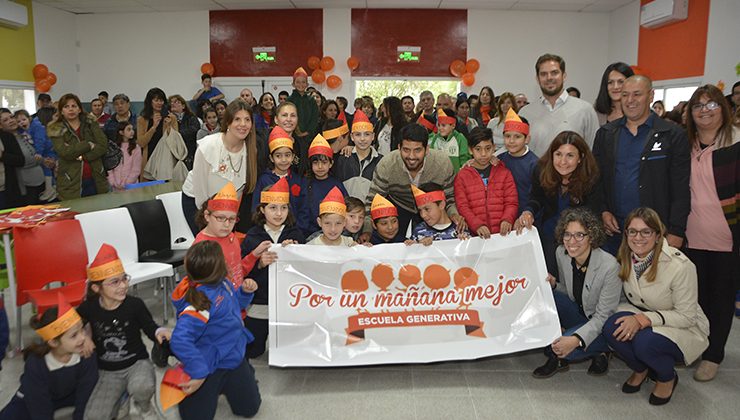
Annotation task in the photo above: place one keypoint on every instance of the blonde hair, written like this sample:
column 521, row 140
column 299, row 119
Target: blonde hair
column 624, row 255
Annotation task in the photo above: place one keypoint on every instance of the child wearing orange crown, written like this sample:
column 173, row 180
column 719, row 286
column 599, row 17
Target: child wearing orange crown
column 449, row 140
column 518, row 158
column 56, row 374
column 436, row 225
column 336, row 132
column 116, row 321
column 356, row 169
column 282, row 156
column 219, row 216
column 332, row 219
column 319, row 184
column 273, row 224
column 384, row 216
column 308, row 111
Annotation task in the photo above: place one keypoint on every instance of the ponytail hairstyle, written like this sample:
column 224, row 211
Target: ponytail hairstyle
column 39, row 349
column 204, row 264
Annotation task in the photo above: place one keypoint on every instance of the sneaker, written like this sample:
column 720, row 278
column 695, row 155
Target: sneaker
column 599, row 365
column 706, row 371
column 551, row 367
column 48, row 195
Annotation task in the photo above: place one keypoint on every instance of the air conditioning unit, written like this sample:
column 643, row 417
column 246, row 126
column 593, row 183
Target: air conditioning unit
column 659, row 13
column 12, row 14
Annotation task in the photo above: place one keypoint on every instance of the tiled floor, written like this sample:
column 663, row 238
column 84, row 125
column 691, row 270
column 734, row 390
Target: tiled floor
column 491, row 388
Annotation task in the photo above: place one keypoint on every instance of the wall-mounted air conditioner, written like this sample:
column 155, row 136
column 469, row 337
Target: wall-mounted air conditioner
column 658, row 13
column 12, row 14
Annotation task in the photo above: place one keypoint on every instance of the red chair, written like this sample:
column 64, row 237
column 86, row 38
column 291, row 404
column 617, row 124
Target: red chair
column 52, row 252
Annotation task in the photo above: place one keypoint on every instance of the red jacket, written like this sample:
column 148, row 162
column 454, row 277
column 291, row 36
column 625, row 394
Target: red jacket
column 481, row 206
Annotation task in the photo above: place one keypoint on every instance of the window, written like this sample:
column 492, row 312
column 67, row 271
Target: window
column 378, row 89
column 15, row 97
column 671, row 96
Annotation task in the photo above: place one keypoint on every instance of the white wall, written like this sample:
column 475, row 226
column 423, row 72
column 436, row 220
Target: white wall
column 55, row 34
column 507, row 43
column 134, row 52
column 723, row 48
column 624, row 33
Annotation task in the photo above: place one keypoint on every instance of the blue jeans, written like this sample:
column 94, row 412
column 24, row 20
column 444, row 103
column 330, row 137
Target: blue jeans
column 646, row 350
column 88, row 188
column 572, row 319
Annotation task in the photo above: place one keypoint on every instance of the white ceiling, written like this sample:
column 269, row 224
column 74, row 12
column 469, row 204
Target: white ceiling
column 145, row 6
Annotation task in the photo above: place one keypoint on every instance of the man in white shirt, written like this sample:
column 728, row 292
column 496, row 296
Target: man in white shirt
column 556, row 111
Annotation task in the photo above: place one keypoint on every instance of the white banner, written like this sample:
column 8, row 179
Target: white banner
column 336, row 306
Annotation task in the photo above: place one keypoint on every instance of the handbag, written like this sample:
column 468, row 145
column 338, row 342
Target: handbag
column 113, row 156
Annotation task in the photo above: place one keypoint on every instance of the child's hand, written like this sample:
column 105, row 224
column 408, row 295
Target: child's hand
column 426, row 241
column 364, row 238
column 367, row 244
column 483, row 232
column 346, row 151
column 249, row 286
column 163, row 334
column 409, row 242
column 261, row 248
column 88, row 347
column 524, row 221
column 192, row 385
column 267, row 258
column 463, row 236
column 505, row 228
column 460, row 222
column 289, row 242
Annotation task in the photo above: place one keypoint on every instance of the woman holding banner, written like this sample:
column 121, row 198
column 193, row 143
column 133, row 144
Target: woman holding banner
column 586, row 294
column 662, row 324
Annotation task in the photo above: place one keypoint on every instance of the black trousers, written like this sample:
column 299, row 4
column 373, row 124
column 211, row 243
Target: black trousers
column 716, row 272
column 259, row 329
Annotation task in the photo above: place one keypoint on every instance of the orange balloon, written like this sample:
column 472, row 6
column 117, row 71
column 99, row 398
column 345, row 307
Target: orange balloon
column 382, row 276
column 333, row 81
column 353, row 63
column 40, row 71
column 313, row 62
column 457, row 68
column 207, row 68
column 354, row 281
column 472, row 65
column 318, row 76
column 436, row 277
column 51, row 78
column 465, row 276
column 43, row 85
column 327, row 63
column 468, row 79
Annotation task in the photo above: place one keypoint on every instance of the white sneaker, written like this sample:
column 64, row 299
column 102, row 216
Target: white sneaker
column 48, row 194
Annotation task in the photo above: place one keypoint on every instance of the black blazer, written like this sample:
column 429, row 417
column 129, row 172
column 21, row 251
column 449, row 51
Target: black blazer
column 12, row 158
column 665, row 169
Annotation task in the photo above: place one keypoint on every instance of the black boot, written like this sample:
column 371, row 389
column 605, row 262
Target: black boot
column 552, row 366
column 599, row 365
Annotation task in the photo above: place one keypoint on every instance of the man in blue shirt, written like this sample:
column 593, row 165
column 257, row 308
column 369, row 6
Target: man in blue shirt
column 644, row 161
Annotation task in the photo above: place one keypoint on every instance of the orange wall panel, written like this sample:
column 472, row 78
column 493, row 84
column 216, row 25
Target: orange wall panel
column 676, row 50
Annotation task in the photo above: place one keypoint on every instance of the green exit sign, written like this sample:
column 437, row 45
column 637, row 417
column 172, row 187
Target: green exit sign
column 264, row 54
column 264, row 57
column 408, row 54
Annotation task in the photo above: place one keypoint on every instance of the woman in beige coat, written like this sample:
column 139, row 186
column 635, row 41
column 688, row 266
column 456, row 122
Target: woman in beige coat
column 662, row 323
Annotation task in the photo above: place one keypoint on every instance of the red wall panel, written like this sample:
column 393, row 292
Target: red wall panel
column 442, row 35
column 296, row 34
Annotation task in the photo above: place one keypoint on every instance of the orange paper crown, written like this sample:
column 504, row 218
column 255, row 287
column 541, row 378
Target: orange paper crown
column 299, row 72
column 67, row 317
column 342, row 116
column 319, row 146
column 361, row 122
column 514, row 123
column 422, row 197
column 105, row 265
column 443, row 118
column 381, row 207
column 279, row 138
column 336, row 132
column 277, row 194
column 170, row 392
column 225, row 200
column 333, row 203
column 426, row 123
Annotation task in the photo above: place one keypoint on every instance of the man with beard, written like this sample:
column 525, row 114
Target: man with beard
column 407, row 102
column 556, row 111
column 413, row 163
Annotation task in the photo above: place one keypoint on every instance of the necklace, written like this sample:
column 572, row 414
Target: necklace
column 236, row 170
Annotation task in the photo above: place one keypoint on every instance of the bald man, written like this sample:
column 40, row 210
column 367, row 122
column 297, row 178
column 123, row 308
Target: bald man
column 644, row 162
column 247, row 96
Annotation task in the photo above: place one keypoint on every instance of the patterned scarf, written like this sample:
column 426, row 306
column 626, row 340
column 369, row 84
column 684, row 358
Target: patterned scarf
column 641, row 265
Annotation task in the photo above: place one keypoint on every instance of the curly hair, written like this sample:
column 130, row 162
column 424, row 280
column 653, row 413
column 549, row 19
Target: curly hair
column 590, row 223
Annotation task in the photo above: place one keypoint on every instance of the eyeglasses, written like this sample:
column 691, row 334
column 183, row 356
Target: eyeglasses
column 578, row 236
column 645, row 233
column 114, row 283
column 710, row 106
column 224, row 219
